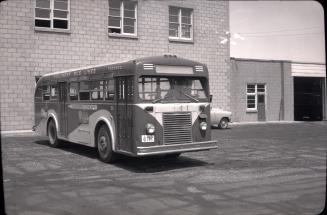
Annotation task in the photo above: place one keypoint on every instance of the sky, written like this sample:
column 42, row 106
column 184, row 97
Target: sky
column 277, row 30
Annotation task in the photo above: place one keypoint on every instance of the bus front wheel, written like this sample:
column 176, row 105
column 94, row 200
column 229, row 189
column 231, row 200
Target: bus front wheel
column 52, row 134
column 104, row 145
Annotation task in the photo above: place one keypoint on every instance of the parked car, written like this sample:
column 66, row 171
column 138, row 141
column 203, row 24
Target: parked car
column 220, row 118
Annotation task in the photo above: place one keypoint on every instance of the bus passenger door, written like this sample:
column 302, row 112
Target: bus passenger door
column 62, row 112
column 124, row 113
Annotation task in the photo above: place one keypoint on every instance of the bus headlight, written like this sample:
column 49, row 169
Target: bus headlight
column 203, row 126
column 150, row 129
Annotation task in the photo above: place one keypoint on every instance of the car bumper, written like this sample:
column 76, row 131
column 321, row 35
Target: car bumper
column 177, row 148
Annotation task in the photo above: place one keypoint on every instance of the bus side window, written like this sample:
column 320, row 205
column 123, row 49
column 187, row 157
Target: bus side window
column 97, row 90
column 46, row 92
column 54, row 92
column 38, row 94
column 109, row 90
column 84, row 90
column 73, row 87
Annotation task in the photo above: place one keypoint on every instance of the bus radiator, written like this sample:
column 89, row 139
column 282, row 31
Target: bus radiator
column 177, row 128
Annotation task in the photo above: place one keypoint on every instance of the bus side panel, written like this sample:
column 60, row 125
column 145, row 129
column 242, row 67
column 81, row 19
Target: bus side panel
column 43, row 111
column 104, row 113
column 40, row 119
column 78, row 122
column 142, row 117
column 82, row 120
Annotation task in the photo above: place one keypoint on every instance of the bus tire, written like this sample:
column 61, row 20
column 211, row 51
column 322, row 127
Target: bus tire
column 104, row 145
column 52, row 134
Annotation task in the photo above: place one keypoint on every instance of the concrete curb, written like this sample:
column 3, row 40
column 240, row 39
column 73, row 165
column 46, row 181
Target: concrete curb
column 272, row 122
column 18, row 133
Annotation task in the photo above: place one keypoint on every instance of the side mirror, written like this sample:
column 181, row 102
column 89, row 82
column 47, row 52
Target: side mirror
column 210, row 98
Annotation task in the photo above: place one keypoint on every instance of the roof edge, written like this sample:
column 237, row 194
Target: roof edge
column 275, row 61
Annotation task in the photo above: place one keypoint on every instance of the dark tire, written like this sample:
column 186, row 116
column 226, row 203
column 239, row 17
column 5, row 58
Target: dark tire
column 104, row 146
column 223, row 124
column 174, row 155
column 52, row 134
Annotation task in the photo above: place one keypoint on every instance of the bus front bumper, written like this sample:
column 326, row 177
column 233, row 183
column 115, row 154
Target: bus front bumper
column 177, row 148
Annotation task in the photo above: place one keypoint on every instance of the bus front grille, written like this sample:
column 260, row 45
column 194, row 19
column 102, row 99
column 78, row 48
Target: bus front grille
column 177, row 128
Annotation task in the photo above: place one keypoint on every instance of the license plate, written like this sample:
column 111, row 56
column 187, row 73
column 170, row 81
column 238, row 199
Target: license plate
column 147, row 138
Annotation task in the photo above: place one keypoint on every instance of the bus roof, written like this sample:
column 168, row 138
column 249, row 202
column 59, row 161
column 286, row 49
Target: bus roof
column 168, row 60
column 82, row 68
column 155, row 60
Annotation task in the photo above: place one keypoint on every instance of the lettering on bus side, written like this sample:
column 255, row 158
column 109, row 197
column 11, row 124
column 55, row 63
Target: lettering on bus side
column 83, row 107
column 114, row 68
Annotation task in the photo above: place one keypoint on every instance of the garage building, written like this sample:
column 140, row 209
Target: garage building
column 276, row 90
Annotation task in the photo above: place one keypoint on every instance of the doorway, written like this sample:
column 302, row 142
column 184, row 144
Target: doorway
column 261, row 107
column 308, row 98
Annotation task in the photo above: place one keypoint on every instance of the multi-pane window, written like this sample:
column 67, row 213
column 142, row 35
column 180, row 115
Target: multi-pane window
column 54, row 92
column 153, row 88
column 122, row 17
column 180, row 23
column 252, row 92
column 197, row 89
column 46, row 92
column 109, row 90
column 97, row 90
column 73, row 89
column 53, row 14
column 84, row 90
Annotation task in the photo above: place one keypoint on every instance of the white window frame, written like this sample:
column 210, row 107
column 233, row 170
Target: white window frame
column 51, row 18
column 180, row 24
column 122, row 17
column 255, row 94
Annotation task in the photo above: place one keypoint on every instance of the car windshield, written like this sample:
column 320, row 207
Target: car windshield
column 172, row 89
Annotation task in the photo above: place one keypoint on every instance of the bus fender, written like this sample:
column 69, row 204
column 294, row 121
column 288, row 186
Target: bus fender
column 52, row 115
column 111, row 130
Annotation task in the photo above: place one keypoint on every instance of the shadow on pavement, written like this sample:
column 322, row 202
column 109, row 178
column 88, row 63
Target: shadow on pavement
column 154, row 164
column 149, row 164
column 73, row 148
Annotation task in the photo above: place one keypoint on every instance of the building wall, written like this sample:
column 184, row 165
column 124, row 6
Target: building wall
column 279, row 91
column 288, row 92
column 25, row 52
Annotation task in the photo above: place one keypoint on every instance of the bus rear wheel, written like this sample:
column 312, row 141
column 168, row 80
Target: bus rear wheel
column 52, row 134
column 104, row 145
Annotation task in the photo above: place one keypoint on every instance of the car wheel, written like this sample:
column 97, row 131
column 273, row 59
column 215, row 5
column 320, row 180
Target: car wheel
column 104, row 145
column 223, row 124
column 52, row 134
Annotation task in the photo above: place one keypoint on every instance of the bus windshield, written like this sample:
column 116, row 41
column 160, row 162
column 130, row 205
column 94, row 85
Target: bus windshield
column 172, row 89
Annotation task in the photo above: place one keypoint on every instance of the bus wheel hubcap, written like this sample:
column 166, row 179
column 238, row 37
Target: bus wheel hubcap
column 102, row 144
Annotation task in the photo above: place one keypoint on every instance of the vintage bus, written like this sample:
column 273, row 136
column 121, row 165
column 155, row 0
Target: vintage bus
column 147, row 106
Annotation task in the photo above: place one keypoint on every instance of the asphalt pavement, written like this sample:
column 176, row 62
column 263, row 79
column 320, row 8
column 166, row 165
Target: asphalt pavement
column 258, row 169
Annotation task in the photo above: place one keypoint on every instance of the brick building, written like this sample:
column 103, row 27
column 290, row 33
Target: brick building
column 275, row 90
column 43, row 36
